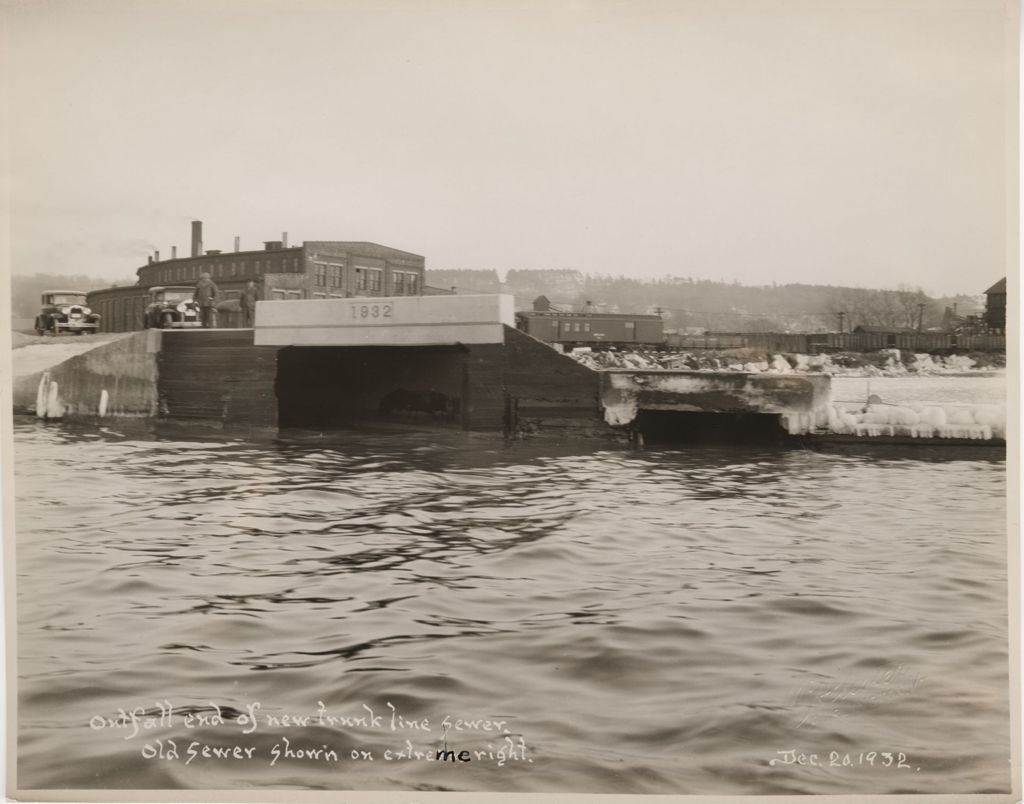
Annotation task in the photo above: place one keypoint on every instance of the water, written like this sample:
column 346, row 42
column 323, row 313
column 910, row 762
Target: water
column 643, row 622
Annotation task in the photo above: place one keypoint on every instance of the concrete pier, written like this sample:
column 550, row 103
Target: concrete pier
column 434, row 362
column 802, row 403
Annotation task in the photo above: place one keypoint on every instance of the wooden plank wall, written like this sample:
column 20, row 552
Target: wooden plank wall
column 548, row 390
column 217, row 375
column 484, row 400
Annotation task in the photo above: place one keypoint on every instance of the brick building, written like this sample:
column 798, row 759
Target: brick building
column 316, row 269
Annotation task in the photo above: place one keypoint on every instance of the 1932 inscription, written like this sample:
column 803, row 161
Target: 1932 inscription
column 371, row 311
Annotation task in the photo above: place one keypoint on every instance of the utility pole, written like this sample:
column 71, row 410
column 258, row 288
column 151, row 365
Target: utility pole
column 841, row 317
column 920, row 316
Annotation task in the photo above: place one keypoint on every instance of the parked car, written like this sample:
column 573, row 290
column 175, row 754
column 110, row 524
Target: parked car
column 65, row 311
column 171, row 307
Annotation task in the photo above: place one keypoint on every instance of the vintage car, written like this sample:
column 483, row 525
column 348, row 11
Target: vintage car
column 65, row 311
column 171, row 307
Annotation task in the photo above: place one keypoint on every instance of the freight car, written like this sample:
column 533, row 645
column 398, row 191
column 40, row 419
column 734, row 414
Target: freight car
column 592, row 328
column 815, row 343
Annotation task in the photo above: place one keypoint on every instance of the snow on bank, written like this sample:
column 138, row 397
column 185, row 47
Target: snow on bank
column 886, row 363
column 33, row 355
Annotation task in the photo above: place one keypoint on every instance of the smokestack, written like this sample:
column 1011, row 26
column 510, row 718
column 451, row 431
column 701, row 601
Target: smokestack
column 150, row 258
column 197, row 238
column 174, row 252
column 157, row 257
column 284, row 239
column 238, row 243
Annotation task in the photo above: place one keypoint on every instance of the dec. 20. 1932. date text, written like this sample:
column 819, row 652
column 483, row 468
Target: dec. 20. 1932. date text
column 897, row 760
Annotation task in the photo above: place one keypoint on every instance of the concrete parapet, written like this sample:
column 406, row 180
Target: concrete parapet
column 377, row 321
column 117, row 377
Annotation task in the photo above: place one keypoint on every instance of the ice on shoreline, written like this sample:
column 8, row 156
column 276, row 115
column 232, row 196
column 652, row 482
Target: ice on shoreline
column 919, row 421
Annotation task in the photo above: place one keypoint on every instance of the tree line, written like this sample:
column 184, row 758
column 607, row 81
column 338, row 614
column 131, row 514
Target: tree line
column 721, row 306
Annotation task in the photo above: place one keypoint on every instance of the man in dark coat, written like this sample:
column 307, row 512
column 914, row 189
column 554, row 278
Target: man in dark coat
column 205, row 296
column 247, row 303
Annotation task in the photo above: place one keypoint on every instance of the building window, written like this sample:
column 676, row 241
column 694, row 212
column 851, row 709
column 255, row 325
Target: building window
column 586, row 326
column 630, row 325
column 413, row 284
column 405, row 283
column 369, row 280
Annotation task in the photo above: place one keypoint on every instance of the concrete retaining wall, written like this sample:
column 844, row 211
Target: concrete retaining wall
column 125, row 368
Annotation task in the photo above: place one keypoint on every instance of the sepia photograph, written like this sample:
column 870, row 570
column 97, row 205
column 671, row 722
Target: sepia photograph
column 469, row 400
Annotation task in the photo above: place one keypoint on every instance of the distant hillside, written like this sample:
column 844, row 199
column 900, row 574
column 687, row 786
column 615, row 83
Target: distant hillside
column 723, row 306
column 26, row 290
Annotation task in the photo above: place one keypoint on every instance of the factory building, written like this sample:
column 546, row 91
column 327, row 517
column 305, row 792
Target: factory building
column 320, row 269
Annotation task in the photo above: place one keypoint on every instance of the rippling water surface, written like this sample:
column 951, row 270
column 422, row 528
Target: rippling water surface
column 652, row 622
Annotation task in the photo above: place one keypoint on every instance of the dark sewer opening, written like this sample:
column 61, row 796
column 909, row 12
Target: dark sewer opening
column 333, row 387
column 681, row 427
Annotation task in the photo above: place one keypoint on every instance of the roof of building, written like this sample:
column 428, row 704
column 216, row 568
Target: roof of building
column 344, row 243
column 873, row 328
column 998, row 287
column 225, row 256
column 594, row 315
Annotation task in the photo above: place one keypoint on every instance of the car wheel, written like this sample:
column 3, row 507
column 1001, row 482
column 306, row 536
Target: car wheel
column 40, row 326
column 56, row 327
column 166, row 320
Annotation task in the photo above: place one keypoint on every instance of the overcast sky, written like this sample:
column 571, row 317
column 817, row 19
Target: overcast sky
column 860, row 143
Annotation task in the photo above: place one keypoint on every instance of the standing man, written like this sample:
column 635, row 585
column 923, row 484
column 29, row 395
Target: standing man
column 247, row 303
column 205, row 296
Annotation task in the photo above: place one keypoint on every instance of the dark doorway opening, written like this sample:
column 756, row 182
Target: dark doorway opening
column 684, row 427
column 339, row 386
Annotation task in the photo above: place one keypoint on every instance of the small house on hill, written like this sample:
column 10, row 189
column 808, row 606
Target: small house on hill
column 995, row 306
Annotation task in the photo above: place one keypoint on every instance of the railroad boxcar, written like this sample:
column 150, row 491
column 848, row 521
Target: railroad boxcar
column 586, row 329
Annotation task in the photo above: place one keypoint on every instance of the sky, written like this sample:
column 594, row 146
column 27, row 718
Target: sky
column 852, row 142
